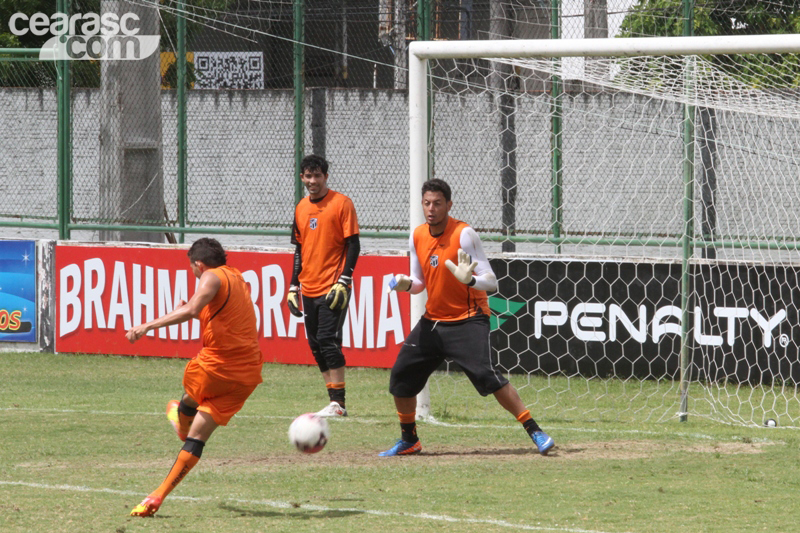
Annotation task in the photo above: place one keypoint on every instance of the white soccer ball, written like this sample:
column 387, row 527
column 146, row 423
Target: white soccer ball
column 771, row 423
column 309, row 433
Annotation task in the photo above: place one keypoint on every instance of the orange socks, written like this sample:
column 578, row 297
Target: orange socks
column 182, row 466
column 528, row 422
column 336, row 392
column 407, row 418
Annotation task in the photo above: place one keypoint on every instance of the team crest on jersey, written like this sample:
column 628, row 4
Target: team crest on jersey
column 313, row 224
column 434, row 261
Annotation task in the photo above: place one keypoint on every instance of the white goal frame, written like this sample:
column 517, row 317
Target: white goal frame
column 418, row 98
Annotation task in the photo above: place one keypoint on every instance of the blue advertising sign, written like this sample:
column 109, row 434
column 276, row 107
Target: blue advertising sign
column 17, row 291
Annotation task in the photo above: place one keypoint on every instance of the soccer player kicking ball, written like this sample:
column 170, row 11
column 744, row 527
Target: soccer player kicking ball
column 225, row 372
column 456, row 320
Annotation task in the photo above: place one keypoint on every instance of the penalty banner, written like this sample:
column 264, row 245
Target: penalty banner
column 102, row 291
column 623, row 319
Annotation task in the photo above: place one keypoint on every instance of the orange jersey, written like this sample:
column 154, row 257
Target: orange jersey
column 320, row 228
column 230, row 337
column 448, row 299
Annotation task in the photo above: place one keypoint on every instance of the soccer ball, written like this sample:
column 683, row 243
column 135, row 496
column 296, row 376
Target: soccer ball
column 771, row 423
column 309, row 433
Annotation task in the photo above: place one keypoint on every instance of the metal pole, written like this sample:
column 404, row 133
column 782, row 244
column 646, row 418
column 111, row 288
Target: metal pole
column 182, row 139
column 424, row 31
column 299, row 95
column 556, row 125
column 426, row 158
column 423, row 20
column 64, row 142
column 418, row 173
column 688, row 218
column 629, row 47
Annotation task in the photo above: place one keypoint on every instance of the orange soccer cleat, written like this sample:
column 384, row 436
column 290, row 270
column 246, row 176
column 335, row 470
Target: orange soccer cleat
column 148, row 507
column 173, row 417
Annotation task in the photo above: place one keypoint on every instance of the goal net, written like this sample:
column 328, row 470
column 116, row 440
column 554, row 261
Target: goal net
column 638, row 198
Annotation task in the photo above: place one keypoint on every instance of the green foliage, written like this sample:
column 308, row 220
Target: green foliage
column 664, row 18
column 27, row 74
column 169, row 29
column 653, row 18
column 170, row 78
column 29, row 7
column 754, row 17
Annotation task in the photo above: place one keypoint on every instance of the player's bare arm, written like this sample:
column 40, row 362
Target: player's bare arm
column 206, row 290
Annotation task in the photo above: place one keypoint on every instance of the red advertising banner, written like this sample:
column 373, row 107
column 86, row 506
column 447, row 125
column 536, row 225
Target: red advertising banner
column 103, row 291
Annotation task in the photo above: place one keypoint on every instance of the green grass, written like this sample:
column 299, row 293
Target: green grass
column 84, row 438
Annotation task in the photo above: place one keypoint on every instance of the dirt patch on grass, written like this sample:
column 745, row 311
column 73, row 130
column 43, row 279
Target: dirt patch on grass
column 642, row 449
column 616, row 449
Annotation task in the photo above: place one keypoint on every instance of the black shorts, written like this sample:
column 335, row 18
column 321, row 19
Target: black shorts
column 324, row 332
column 465, row 342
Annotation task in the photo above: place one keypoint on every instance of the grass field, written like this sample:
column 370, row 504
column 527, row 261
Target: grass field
column 84, row 438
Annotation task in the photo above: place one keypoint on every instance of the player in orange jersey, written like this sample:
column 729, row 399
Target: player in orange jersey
column 325, row 235
column 456, row 320
column 225, row 371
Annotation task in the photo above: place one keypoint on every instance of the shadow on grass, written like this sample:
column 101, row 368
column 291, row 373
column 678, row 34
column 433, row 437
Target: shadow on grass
column 296, row 513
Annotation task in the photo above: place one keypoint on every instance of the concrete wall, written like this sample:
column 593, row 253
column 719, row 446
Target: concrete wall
column 622, row 169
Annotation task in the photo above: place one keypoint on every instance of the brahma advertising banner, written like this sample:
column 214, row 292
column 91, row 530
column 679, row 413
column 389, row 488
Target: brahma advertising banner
column 17, row 291
column 104, row 290
column 555, row 316
column 614, row 318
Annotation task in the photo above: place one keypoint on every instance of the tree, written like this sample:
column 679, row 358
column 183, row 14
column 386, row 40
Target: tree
column 721, row 17
column 664, row 18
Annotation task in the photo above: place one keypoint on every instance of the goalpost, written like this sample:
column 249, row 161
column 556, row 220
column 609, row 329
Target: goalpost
column 644, row 193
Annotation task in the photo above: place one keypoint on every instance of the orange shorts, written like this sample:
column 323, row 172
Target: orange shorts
column 221, row 399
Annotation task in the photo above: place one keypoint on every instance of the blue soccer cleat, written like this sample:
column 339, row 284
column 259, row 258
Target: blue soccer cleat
column 542, row 441
column 402, row 447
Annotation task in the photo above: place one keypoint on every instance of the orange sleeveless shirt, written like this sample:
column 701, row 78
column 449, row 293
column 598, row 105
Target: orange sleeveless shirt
column 448, row 299
column 230, row 337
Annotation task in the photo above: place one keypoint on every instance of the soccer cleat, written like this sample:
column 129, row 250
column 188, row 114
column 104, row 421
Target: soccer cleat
column 542, row 441
column 172, row 416
column 148, row 507
column 333, row 409
column 402, row 447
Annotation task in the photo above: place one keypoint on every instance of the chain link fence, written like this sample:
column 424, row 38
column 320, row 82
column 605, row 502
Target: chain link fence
column 28, row 150
column 269, row 81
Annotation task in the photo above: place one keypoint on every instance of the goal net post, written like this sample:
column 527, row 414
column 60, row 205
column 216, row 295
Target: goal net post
column 637, row 197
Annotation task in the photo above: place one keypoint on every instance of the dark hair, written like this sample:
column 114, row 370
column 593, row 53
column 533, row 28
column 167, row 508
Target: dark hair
column 437, row 185
column 313, row 162
column 209, row 251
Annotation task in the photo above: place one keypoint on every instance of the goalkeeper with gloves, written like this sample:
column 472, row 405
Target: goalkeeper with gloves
column 447, row 259
column 325, row 235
